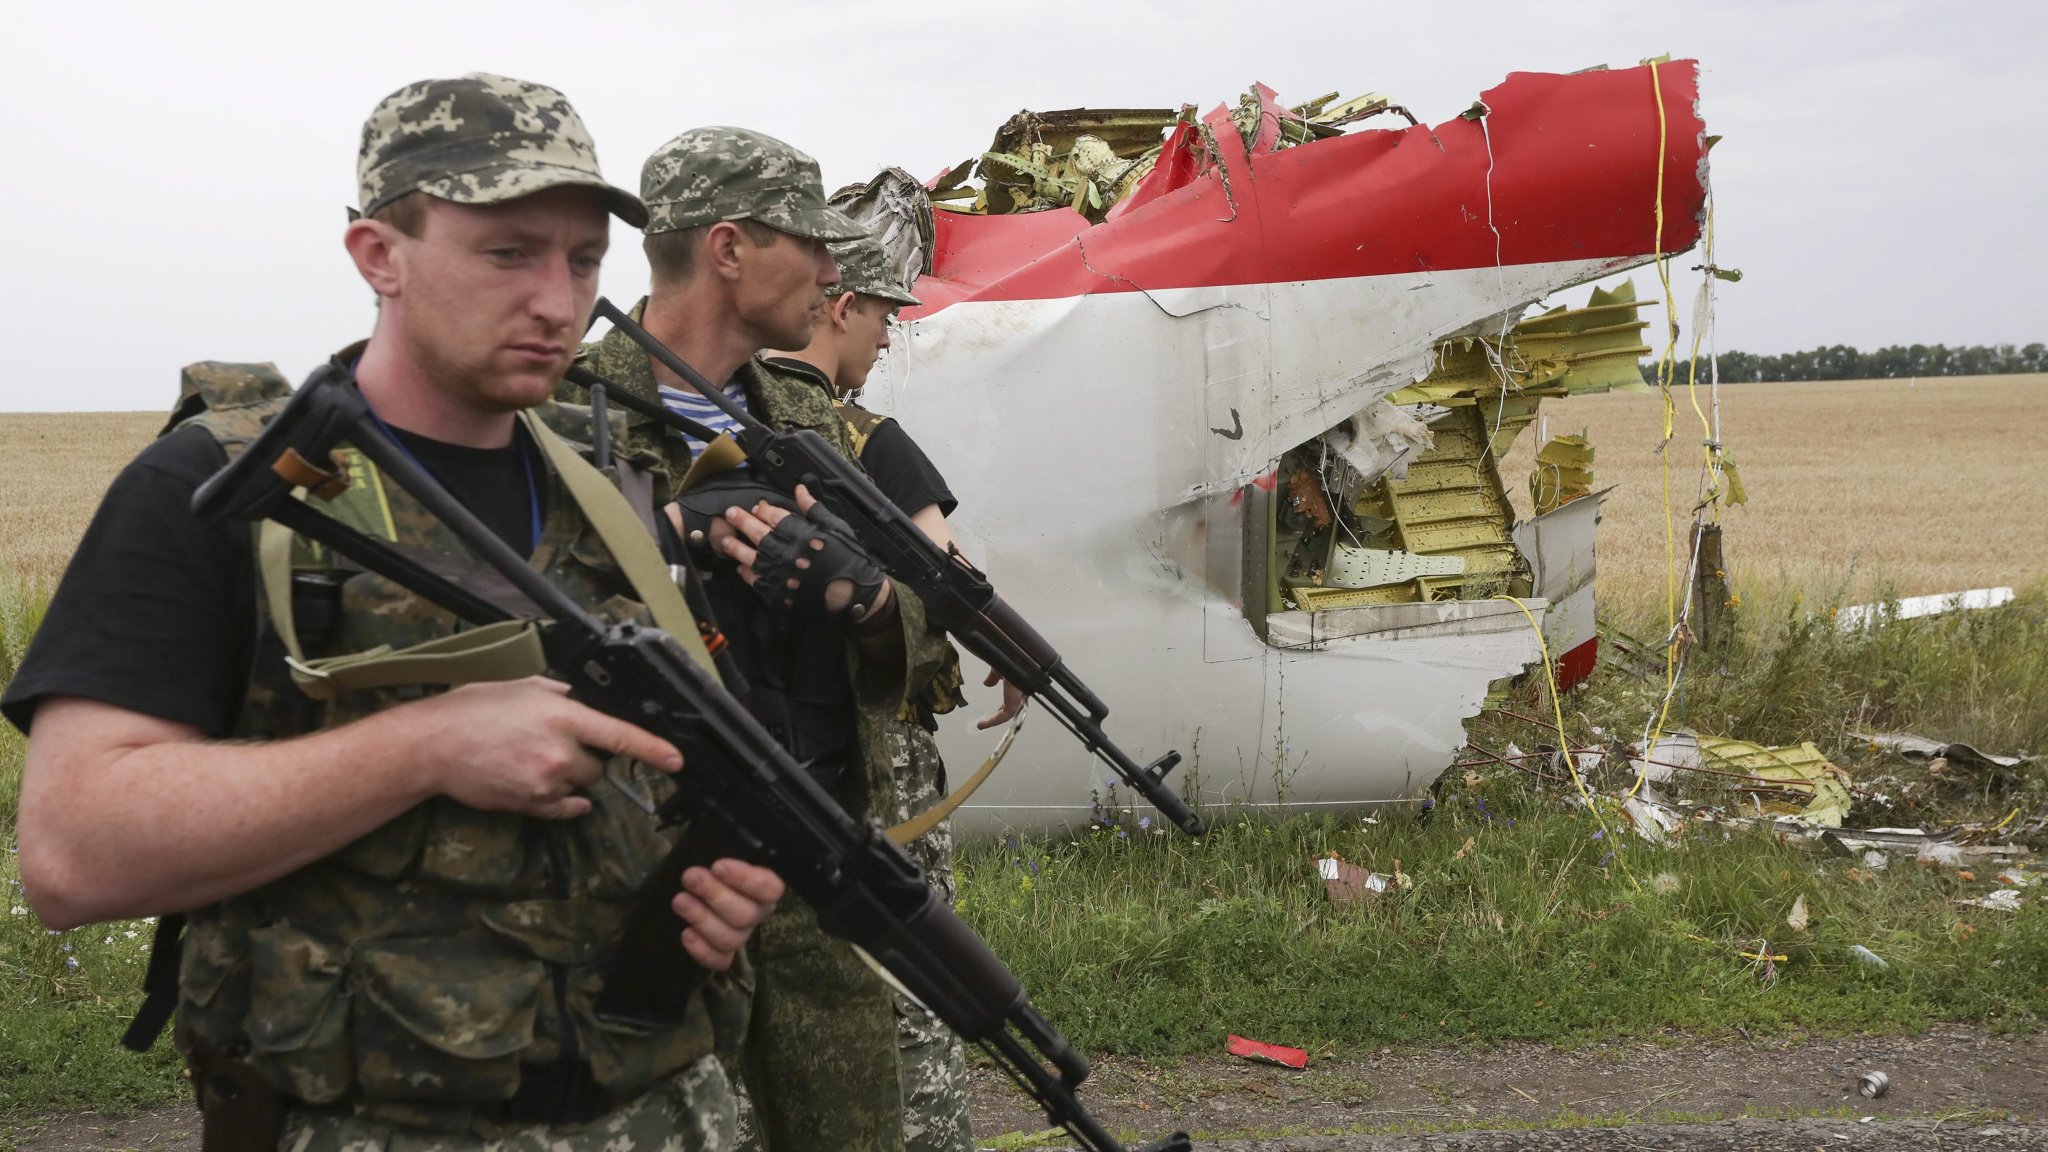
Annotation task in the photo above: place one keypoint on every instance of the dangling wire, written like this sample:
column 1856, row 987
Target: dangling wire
column 1678, row 611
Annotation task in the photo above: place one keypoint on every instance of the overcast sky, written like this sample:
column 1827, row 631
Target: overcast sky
column 176, row 174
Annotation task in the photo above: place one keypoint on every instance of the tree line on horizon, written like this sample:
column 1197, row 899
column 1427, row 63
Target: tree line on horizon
column 1893, row 362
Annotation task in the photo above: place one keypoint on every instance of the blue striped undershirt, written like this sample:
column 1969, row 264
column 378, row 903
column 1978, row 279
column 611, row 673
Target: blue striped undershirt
column 684, row 402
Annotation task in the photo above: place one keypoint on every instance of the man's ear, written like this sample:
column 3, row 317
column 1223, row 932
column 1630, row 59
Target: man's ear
column 836, row 309
column 374, row 246
column 721, row 249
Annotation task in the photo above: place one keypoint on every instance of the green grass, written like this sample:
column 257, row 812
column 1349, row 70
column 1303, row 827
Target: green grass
column 64, row 997
column 1547, row 929
column 1790, row 674
column 1527, row 919
column 1524, row 920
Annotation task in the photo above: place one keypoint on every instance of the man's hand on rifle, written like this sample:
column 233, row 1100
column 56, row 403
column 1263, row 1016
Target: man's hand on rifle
column 524, row 746
column 722, row 905
column 744, row 535
column 1013, row 702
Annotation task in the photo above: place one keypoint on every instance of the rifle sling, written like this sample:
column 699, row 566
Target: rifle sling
column 508, row 650
column 902, row 834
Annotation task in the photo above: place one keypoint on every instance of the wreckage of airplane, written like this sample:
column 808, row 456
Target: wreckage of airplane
column 1224, row 398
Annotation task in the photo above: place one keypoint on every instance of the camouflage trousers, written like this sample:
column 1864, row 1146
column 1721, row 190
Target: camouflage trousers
column 812, row 1068
column 819, row 1052
column 934, row 1065
column 691, row 1113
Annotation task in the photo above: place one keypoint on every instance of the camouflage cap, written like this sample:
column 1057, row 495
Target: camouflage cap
column 481, row 139
column 707, row 175
column 864, row 268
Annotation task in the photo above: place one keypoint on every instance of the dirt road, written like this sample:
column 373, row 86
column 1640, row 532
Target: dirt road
column 1951, row 1088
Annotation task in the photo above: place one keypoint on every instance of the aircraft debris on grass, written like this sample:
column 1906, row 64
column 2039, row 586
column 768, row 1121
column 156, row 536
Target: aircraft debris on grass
column 1224, row 395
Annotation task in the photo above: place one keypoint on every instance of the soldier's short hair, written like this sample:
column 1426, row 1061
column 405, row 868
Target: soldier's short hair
column 672, row 256
column 408, row 214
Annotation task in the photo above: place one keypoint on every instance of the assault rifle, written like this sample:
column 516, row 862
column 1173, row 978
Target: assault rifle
column 957, row 596
column 740, row 794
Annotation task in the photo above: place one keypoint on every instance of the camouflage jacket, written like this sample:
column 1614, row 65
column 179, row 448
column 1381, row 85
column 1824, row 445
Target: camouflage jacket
column 414, row 972
column 883, row 696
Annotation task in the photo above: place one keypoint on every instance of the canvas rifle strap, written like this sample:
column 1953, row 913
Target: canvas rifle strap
column 627, row 538
column 722, row 454
column 508, row 649
column 928, row 819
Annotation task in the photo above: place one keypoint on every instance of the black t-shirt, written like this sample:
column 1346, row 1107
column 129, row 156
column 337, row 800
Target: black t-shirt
column 903, row 472
column 157, row 611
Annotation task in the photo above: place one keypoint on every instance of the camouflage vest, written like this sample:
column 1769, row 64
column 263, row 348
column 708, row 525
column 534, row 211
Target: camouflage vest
column 417, row 969
column 789, row 399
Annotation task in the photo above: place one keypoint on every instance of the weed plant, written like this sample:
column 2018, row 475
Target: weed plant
column 1789, row 673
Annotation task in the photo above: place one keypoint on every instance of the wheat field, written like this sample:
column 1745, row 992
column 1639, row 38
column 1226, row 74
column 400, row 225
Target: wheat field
column 1854, row 486
column 1927, row 486
column 54, row 467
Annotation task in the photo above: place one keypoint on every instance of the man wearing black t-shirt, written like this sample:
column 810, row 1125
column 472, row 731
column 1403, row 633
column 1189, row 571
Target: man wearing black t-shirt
column 355, row 869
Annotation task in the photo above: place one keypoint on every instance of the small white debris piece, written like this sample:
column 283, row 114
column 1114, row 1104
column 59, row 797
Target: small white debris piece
column 1796, row 919
column 1671, row 753
column 1913, row 607
column 1939, row 855
column 1876, row 861
column 1652, row 821
column 2002, row 900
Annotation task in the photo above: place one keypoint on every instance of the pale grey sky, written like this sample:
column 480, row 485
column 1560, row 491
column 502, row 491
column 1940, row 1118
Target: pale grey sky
column 175, row 174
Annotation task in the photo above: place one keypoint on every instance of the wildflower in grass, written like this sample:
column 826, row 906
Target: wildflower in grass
column 1605, row 859
column 1664, row 884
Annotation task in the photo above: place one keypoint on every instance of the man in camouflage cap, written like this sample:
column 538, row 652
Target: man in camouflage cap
column 737, row 241
column 480, row 139
column 852, row 330
column 398, row 901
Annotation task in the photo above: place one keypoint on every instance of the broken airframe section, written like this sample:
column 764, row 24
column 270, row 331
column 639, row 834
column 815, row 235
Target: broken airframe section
column 1225, row 394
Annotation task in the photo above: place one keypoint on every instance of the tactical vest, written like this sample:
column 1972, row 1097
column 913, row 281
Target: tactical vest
column 424, row 969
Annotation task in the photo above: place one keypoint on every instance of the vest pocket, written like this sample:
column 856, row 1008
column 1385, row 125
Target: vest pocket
column 298, row 1013
column 471, row 849
column 432, row 1023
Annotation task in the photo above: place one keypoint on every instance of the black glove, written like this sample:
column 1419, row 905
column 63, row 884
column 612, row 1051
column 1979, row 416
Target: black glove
column 831, row 552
